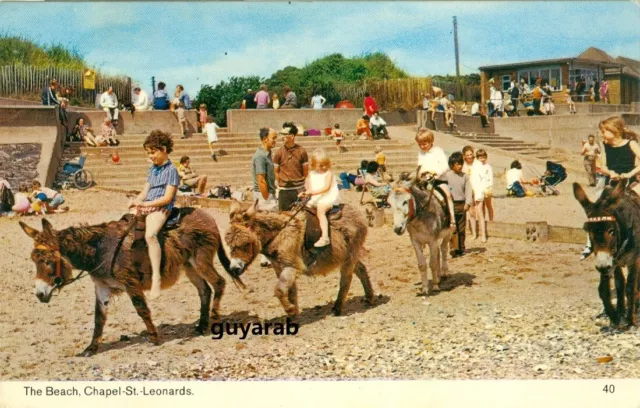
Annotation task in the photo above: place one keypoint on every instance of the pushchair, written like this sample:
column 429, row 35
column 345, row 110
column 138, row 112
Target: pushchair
column 554, row 175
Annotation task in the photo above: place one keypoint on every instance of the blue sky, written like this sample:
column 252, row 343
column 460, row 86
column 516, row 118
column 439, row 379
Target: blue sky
column 204, row 43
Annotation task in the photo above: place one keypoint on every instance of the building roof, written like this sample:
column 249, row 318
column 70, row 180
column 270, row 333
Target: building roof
column 589, row 56
column 596, row 54
column 631, row 66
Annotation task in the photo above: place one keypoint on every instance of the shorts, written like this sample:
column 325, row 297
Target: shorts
column 192, row 182
column 269, row 205
column 56, row 201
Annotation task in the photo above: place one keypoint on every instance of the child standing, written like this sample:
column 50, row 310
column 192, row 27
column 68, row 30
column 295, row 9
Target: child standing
column 275, row 101
column 182, row 120
column 338, row 136
column 212, row 135
column 381, row 159
column 569, row 101
column 590, row 151
column 51, row 199
column 469, row 158
column 460, row 188
column 433, row 162
column 202, row 116
column 157, row 198
column 322, row 187
column 482, row 184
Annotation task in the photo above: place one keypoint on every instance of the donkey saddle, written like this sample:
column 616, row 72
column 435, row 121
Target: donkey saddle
column 313, row 232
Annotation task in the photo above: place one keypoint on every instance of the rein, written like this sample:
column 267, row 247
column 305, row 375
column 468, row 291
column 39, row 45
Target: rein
column 412, row 202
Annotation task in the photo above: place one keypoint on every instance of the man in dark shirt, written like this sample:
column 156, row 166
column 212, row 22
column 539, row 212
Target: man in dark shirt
column 291, row 164
column 249, row 100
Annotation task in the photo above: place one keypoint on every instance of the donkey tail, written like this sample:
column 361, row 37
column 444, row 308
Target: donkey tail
column 226, row 264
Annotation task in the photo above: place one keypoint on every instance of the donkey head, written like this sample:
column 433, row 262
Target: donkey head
column 402, row 205
column 242, row 240
column 602, row 226
column 52, row 269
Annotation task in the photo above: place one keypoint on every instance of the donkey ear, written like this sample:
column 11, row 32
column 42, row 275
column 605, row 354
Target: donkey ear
column 234, row 208
column 32, row 232
column 252, row 210
column 619, row 190
column 417, row 175
column 47, row 227
column 581, row 196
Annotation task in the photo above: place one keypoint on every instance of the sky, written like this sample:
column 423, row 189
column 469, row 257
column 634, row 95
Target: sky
column 201, row 43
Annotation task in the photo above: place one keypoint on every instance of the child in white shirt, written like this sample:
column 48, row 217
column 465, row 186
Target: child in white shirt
column 432, row 160
column 212, row 136
column 322, row 187
column 482, row 185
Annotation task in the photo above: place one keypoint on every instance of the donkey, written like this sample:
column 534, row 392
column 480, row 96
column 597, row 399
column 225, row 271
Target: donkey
column 281, row 238
column 613, row 225
column 106, row 252
column 428, row 224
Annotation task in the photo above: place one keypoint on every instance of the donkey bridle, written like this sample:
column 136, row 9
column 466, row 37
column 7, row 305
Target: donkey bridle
column 59, row 281
column 619, row 248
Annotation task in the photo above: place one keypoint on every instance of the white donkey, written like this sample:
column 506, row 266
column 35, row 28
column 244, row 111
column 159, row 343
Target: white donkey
column 423, row 215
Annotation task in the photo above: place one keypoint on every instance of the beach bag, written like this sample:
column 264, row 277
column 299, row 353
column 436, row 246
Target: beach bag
column 359, row 181
column 314, row 132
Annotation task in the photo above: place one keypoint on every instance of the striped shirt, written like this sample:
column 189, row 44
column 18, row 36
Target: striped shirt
column 159, row 177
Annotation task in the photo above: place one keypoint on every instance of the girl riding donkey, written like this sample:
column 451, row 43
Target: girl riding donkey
column 621, row 150
column 322, row 188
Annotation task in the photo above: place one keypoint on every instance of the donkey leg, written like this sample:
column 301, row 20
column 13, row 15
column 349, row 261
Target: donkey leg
column 100, row 318
column 444, row 253
column 604, row 289
column 286, row 279
column 422, row 267
column 205, row 298
column 140, row 303
column 346, row 274
column 434, row 264
column 619, row 280
column 203, row 266
column 363, row 275
column 632, row 290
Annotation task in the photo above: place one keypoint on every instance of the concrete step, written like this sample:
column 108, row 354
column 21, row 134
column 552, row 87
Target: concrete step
column 525, row 148
column 104, row 153
column 230, row 162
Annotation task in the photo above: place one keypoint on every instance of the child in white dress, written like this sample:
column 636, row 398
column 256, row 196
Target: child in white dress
column 322, row 187
column 212, row 135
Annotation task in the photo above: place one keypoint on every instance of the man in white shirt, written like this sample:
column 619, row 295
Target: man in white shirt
column 142, row 100
column 109, row 103
column 378, row 126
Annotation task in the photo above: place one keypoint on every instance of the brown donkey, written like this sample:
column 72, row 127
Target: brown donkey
column 613, row 225
column 104, row 251
column 281, row 239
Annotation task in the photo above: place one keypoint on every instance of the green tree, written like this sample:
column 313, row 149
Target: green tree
column 226, row 95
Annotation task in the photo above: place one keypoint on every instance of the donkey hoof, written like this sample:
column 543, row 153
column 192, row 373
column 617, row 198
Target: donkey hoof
column 422, row 293
column 369, row 302
column 337, row 311
column 435, row 288
column 155, row 340
column 89, row 351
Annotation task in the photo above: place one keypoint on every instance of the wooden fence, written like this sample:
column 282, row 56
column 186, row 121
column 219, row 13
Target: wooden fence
column 27, row 82
column 406, row 93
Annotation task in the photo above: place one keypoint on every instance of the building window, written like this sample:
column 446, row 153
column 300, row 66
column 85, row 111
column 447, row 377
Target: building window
column 589, row 76
column 506, row 82
column 549, row 76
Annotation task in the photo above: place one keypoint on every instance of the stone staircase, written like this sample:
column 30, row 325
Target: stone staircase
column 234, row 167
column 510, row 144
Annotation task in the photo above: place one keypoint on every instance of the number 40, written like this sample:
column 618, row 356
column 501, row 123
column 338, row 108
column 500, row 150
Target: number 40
column 609, row 389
